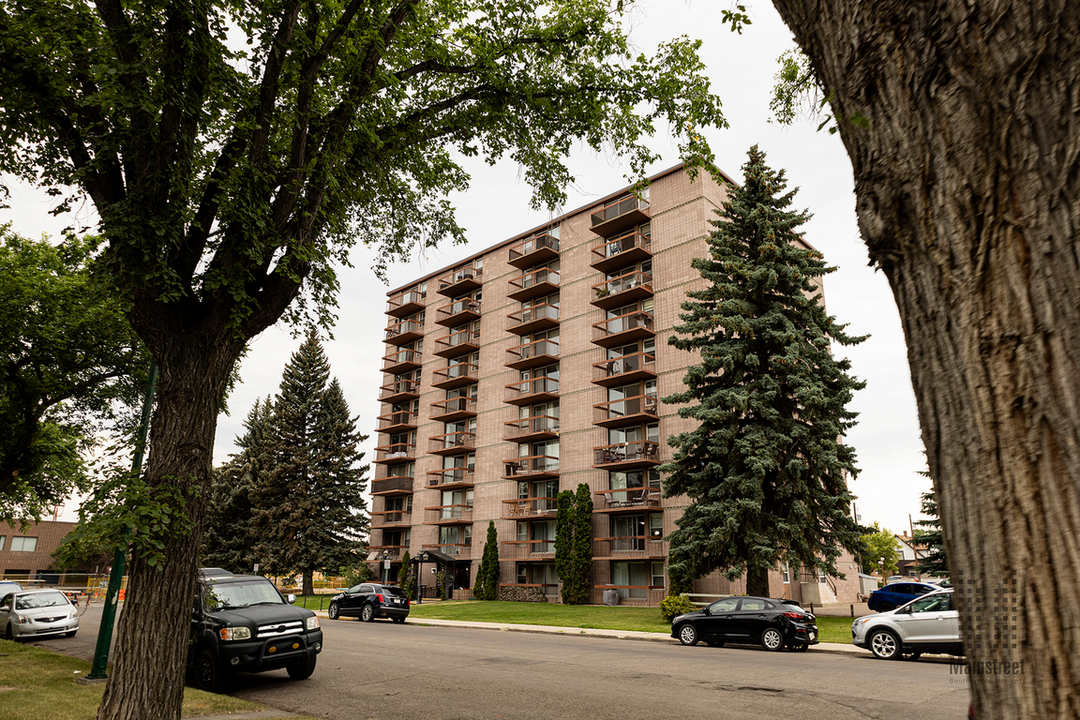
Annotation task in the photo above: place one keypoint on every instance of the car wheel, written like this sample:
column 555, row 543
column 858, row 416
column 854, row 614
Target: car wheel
column 885, row 645
column 399, row 619
column 771, row 639
column 303, row 669
column 333, row 612
column 367, row 614
column 688, row 634
column 8, row 635
column 885, row 607
column 208, row 675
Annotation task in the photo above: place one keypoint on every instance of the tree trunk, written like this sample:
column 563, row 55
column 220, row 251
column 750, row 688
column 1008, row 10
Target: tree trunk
column 757, row 581
column 968, row 196
column 308, row 584
column 155, row 622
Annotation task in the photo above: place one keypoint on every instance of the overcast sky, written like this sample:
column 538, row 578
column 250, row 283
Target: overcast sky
column 495, row 207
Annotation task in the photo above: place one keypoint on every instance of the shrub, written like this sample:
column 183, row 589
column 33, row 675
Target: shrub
column 674, row 605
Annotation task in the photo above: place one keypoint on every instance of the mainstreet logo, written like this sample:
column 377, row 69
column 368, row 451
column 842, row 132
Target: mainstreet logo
column 990, row 667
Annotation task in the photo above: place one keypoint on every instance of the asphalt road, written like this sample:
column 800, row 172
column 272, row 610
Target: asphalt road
column 384, row 671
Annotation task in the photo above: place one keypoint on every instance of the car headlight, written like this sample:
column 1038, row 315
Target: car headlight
column 313, row 622
column 235, row 633
column 23, row 619
column 859, row 622
column 677, row 618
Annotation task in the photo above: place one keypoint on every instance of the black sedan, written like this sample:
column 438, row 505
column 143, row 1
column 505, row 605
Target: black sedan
column 748, row 620
column 368, row 601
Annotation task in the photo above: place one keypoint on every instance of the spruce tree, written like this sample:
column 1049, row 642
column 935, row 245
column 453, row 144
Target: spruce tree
column 765, row 467
column 573, row 544
column 929, row 536
column 486, row 586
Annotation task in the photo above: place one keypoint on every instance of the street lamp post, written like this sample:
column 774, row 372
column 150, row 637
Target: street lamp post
column 421, row 558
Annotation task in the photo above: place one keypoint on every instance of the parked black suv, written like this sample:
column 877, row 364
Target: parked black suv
column 368, row 601
column 241, row 623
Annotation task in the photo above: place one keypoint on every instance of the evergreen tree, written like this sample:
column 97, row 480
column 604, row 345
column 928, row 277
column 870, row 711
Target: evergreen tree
column 765, row 467
column 308, row 507
column 573, row 544
column 486, row 586
column 929, row 536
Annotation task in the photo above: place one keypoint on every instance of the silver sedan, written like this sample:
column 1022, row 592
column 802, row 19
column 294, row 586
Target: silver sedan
column 37, row 613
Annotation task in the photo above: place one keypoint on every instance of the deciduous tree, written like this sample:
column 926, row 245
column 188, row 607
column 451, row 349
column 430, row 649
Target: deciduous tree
column 880, row 551
column 765, row 467
column 235, row 151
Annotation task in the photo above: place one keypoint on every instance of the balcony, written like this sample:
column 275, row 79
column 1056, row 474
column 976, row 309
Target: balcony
column 393, row 485
column 618, row 215
column 457, row 343
column 625, row 369
column 455, row 376
column 525, row 508
column 623, row 290
column 448, row 515
column 537, row 283
column 395, row 453
column 399, row 391
column 395, row 552
column 533, row 319
column 455, row 443
column 533, row 467
column 536, row 249
column 627, row 499
column 391, row 518
column 405, row 331
column 458, row 312
column 625, row 412
column 533, row 354
column 531, row 429
column 527, row 550
column 458, row 550
column 449, row 478
column 402, row 361
column 398, row 421
column 406, row 303
column 628, row 455
column 622, row 330
column 629, row 548
column 527, row 392
column 618, row 252
column 453, row 409
column 460, row 281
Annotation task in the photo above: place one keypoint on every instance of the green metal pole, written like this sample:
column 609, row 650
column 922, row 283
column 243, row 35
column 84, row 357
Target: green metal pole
column 108, row 613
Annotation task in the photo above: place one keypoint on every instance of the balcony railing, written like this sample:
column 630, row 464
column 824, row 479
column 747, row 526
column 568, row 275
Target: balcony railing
column 461, row 550
column 641, row 452
column 629, row 547
column 458, row 312
column 457, row 477
column 617, row 215
column 453, row 409
column 533, row 250
column 532, row 465
column 399, row 452
column 457, row 343
column 618, row 252
column 405, row 303
column 533, row 319
column 391, row 517
column 397, row 420
column 536, row 283
column 541, row 388
column 402, row 360
column 623, row 498
column 631, row 287
column 625, row 369
column 395, row 552
column 455, row 376
column 404, row 331
column 523, row 508
column 452, row 443
column 448, row 514
column 531, row 428
column 532, row 354
column 393, row 484
column 631, row 410
column 461, row 280
column 523, row 549
column 399, row 390
column 625, row 328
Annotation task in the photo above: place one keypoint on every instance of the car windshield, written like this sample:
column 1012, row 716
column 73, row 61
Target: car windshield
column 229, row 596
column 40, row 600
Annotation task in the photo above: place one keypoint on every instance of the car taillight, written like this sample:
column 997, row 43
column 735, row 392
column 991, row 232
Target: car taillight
column 794, row 615
column 379, row 597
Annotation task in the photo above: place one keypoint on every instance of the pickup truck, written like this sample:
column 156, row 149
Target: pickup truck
column 241, row 623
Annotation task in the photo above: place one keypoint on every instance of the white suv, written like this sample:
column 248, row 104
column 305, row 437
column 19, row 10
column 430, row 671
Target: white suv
column 928, row 624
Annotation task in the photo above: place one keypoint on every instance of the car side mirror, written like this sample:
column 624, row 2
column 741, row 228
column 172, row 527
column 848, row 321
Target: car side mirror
column 706, row 610
column 292, row 598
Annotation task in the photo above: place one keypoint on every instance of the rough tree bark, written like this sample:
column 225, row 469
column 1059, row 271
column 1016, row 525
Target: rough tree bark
column 968, row 197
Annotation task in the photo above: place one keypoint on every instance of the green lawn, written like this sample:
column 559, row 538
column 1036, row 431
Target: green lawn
column 36, row 684
column 832, row 629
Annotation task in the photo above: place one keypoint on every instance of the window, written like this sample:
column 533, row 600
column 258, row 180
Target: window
column 2, row 539
column 23, row 544
column 632, row 576
column 658, row 576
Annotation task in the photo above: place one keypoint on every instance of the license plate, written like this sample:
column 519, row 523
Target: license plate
column 813, row 635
